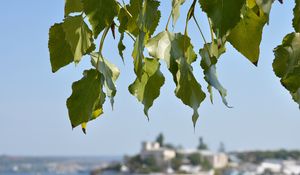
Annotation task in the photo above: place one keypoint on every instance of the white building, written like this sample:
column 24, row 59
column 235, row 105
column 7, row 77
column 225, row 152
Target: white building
column 217, row 160
column 274, row 166
column 160, row 154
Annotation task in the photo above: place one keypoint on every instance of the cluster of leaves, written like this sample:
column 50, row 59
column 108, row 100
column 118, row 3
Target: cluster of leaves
column 239, row 22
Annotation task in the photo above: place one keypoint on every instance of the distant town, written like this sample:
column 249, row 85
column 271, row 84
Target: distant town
column 157, row 157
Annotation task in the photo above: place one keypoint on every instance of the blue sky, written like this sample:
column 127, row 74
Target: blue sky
column 34, row 118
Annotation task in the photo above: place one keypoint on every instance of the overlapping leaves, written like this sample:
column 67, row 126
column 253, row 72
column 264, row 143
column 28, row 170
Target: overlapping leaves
column 177, row 51
column 239, row 22
column 287, row 64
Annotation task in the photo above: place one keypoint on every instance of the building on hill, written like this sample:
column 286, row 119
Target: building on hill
column 153, row 150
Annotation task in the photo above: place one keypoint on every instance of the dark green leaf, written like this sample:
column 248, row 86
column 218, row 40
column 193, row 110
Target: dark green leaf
column 85, row 103
column 296, row 20
column 100, row 13
column 224, row 14
column 147, row 89
column 287, row 64
column 246, row 35
column 60, row 51
column 121, row 46
column 72, row 6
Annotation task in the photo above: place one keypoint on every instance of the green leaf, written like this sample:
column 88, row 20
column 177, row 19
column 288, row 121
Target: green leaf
column 100, row 13
column 121, row 46
column 210, row 54
column 247, row 34
column 72, row 6
column 177, row 51
column 147, row 89
column 296, row 20
column 128, row 17
column 287, row 64
column 79, row 36
column 110, row 73
column 147, row 21
column 188, row 89
column 60, row 51
column 86, row 101
column 224, row 14
column 176, row 10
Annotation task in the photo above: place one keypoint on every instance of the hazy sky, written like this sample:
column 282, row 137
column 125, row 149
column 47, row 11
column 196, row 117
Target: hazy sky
column 34, row 118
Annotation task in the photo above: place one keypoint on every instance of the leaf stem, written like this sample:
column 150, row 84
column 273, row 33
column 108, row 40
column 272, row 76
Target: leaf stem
column 169, row 19
column 198, row 26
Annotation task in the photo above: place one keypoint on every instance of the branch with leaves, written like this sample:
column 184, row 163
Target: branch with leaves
column 239, row 22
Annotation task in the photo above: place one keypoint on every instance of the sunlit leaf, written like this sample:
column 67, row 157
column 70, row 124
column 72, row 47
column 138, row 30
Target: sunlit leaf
column 247, row 34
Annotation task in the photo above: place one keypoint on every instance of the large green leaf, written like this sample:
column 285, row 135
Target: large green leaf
column 176, row 10
column 287, row 64
column 86, row 101
column 177, row 51
column 100, row 13
column 210, row 53
column 147, row 88
column 224, row 14
column 246, row 35
column 296, row 20
column 110, row 73
column 60, row 51
column 72, row 6
column 79, row 36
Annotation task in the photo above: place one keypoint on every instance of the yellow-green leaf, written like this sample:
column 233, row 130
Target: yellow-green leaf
column 247, row 34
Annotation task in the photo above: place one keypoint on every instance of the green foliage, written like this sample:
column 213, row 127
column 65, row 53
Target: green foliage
column 202, row 145
column 259, row 156
column 239, row 22
column 287, row 64
column 160, row 139
column 194, row 158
